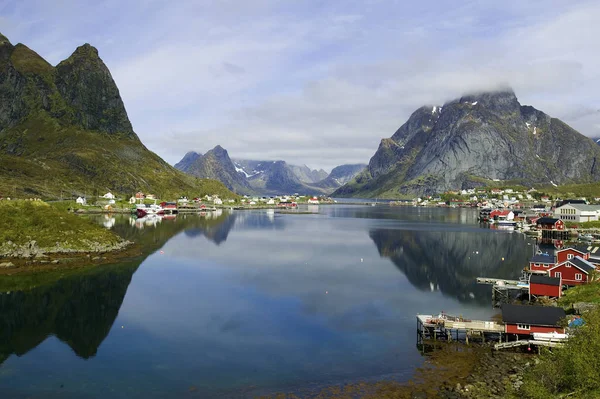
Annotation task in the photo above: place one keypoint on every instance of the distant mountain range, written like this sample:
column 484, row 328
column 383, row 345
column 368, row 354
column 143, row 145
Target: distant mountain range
column 473, row 141
column 264, row 177
column 64, row 131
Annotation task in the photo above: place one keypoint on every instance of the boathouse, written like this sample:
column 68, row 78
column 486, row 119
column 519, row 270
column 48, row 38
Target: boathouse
column 553, row 231
column 547, row 223
column 569, row 253
column 542, row 263
column 544, row 286
column 527, row 319
column 575, row 271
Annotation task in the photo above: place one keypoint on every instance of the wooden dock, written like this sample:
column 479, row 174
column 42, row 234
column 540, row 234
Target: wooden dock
column 456, row 329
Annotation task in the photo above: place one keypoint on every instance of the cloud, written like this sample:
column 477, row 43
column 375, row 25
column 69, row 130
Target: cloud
column 318, row 83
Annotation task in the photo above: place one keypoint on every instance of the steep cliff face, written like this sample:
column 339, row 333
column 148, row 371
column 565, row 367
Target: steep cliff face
column 89, row 89
column 217, row 165
column 64, row 131
column 474, row 140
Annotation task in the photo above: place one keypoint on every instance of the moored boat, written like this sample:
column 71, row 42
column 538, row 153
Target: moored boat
column 153, row 209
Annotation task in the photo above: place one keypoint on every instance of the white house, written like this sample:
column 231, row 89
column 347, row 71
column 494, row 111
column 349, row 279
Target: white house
column 218, row 201
column 80, row 201
column 313, row 200
column 271, row 201
column 578, row 212
column 132, row 200
column 108, row 196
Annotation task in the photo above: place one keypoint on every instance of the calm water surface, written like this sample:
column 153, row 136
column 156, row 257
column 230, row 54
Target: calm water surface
column 252, row 302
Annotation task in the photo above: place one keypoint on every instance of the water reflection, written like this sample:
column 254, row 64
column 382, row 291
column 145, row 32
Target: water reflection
column 79, row 310
column 239, row 304
column 450, row 261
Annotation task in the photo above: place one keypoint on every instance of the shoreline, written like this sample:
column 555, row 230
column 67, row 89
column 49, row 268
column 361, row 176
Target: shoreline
column 51, row 261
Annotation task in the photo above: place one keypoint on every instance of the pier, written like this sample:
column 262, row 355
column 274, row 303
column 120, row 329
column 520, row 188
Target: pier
column 448, row 328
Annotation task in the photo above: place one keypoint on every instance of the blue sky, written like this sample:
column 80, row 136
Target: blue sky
column 317, row 82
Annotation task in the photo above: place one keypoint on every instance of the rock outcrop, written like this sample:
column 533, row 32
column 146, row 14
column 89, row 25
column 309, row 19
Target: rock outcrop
column 473, row 141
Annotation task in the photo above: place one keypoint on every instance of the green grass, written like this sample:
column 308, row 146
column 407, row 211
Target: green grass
column 41, row 158
column 28, row 61
column 582, row 293
column 23, row 221
column 584, row 225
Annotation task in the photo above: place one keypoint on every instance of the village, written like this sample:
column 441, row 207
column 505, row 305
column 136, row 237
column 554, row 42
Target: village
column 110, row 202
column 530, row 314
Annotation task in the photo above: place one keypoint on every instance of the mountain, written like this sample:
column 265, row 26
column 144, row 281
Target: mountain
column 341, row 175
column 473, row 141
column 64, row 130
column 254, row 177
column 273, row 177
column 187, row 161
column 215, row 164
column 307, row 175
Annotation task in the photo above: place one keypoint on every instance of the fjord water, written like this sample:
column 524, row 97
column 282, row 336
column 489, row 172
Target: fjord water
column 248, row 303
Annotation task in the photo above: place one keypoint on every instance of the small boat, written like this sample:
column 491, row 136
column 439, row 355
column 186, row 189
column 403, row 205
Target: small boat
column 153, row 209
column 586, row 237
column 553, row 336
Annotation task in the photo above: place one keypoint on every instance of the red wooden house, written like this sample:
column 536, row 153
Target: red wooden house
column 575, row 271
column 139, row 195
column 526, row 319
column 569, row 253
column 547, row 223
column 540, row 285
column 542, row 263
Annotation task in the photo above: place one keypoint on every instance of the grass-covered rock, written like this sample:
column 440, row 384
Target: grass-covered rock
column 34, row 228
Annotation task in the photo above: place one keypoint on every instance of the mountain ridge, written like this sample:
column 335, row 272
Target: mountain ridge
column 472, row 141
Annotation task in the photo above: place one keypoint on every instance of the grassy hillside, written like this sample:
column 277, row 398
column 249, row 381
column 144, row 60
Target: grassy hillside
column 42, row 158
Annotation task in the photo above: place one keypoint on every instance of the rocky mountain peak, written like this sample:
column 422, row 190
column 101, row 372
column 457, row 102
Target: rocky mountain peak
column 88, row 87
column 475, row 140
column 498, row 101
column 219, row 151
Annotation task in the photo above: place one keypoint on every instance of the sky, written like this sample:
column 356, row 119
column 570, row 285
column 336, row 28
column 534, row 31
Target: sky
column 317, row 82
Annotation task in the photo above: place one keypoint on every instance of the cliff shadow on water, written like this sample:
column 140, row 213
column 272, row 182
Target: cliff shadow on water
column 450, row 261
column 80, row 306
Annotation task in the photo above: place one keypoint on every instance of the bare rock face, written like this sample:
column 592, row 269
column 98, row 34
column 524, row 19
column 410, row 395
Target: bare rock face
column 86, row 84
column 473, row 140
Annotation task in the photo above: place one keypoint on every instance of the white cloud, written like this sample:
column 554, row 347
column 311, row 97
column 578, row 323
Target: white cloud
column 315, row 83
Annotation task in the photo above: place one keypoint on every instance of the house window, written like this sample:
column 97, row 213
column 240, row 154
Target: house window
column 568, row 265
column 570, row 256
column 523, row 327
column 557, row 274
column 546, row 265
column 578, row 276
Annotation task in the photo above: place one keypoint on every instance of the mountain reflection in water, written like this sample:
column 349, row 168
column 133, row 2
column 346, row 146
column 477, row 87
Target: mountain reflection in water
column 450, row 261
column 241, row 304
column 79, row 310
